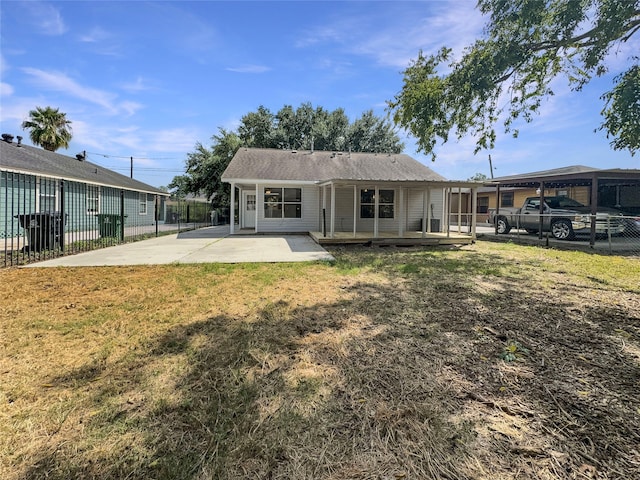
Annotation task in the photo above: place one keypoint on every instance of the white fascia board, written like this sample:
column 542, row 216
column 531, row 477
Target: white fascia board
column 403, row 183
column 263, row 181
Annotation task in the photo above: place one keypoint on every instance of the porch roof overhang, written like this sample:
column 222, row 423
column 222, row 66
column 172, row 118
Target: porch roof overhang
column 402, row 183
column 252, row 182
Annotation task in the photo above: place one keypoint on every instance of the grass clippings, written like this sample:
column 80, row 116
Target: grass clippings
column 492, row 361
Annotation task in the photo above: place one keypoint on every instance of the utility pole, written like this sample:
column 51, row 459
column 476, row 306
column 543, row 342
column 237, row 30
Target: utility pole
column 490, row 167
column 132, row 166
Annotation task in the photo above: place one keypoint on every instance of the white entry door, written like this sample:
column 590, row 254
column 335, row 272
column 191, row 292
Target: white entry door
column 249, row 206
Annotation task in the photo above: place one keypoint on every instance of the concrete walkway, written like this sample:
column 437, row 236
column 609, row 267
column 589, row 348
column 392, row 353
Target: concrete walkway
column 205, row 245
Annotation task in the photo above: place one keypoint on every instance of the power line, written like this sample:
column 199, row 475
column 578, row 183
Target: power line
column 152, row 169
column 106, row 155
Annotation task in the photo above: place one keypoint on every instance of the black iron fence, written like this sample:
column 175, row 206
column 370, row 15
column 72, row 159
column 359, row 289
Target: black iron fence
column 43, row 218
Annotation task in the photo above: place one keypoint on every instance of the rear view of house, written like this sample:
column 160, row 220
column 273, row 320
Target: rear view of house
column 338, row 194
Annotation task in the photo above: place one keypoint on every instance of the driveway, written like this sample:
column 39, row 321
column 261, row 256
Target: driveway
column 205, row 245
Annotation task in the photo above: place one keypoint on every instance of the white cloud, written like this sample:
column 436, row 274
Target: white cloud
column 138, row 85
column 172, row 140
column 60, row 82
column 96, row 34
column 46, row 18
column 249, row 69
column 5, row 90
column 386, row 38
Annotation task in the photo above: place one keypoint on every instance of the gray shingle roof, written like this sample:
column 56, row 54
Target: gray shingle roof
column 37, row 161
column 306, row 166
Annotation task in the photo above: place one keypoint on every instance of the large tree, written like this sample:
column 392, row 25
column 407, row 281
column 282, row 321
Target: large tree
column 505, row 75
column 49, row 128
column 204, row 168
column 303, row 128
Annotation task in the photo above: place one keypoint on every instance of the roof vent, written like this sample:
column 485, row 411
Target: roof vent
column 19, row 141
column 7, row 137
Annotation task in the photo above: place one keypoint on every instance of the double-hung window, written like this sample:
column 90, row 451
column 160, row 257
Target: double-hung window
column 93, row 199
column 47, row 195
column 143, row 203
column 282, row 202
column 386, row 203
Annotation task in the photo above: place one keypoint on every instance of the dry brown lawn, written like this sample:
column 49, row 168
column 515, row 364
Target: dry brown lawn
column 491, row 361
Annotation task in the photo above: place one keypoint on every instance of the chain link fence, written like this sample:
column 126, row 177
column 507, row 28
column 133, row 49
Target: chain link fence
column 614, row 234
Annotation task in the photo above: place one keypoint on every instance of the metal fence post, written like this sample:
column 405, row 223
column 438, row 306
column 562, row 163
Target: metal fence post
column 121, row 216
column 155, row 214
column 62, row 216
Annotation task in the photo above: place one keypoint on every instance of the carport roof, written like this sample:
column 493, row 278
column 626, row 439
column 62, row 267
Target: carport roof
column 570, row 176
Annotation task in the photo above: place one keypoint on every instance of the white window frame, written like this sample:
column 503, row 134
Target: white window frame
column 372, row 205
column 89, row 200
column 281, row 204
column 143, row 206
column 40, row 194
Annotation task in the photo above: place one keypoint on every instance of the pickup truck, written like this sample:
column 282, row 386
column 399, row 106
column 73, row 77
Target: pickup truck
column 562, row 216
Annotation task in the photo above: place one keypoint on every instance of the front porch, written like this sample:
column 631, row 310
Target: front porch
column 392, row 238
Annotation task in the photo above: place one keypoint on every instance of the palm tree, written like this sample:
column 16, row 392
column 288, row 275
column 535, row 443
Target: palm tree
column 49, row 128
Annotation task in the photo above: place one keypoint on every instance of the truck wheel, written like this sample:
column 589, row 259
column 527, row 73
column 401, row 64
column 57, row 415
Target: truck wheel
column 503, row 226
column 561, row 229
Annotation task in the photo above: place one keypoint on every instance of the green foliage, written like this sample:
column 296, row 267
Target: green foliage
column 49, row 128
column 622, row 111
column 204, row 168
column 304, row 128
column 527, row 43
column 513, row 351
column 478, row 177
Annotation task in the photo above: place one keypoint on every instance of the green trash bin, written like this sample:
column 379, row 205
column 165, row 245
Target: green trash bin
column 109, row 225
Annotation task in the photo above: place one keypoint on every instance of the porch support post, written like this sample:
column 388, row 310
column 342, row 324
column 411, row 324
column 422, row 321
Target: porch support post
column 401, row 212
column 426, row 216
column 355, row 210
column 333, row 210
column 376, row 203
column 232, row 209
column 448, row 211
column 258, row 209
column 474, row 208
column 459, row 209
column 323, row 217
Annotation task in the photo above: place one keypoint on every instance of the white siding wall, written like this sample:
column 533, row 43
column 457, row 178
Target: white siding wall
column 411, row 211
column 310, row 207
column 312, row 211
column 344, row 209
column 415, row 207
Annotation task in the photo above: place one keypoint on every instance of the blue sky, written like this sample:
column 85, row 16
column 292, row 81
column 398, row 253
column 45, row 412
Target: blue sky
column 150, row 79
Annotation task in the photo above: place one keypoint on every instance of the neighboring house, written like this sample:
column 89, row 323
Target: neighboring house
column 33, row 180
column 335, row 195
column 615, row 188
